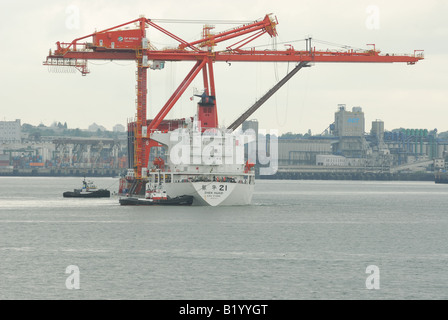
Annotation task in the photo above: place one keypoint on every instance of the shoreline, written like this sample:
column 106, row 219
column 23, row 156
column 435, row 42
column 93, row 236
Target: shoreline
column 356, row 176
column 115, row 173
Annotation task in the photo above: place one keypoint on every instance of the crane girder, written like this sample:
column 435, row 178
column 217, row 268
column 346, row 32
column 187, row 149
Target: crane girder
column 244, row 56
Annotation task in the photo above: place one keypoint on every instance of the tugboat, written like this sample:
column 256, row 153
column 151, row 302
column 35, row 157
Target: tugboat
column 156, row 196
column 88, row 190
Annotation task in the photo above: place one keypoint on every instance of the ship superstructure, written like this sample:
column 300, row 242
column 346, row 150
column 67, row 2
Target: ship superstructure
column 209, row 165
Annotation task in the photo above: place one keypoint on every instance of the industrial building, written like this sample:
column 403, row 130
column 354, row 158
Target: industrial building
column 349, row 127
column 10, row 131
column 61, row 155
column 303, row 151
column 349, row 148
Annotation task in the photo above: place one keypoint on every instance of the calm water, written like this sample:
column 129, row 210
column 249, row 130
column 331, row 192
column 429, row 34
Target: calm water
column 298, row 240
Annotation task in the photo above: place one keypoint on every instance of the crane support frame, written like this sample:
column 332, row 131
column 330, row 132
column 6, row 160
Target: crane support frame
column 109, row 45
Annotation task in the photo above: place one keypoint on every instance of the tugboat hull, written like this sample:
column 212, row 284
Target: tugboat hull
column 177, row 201
column 93, row 194
column 88, row 190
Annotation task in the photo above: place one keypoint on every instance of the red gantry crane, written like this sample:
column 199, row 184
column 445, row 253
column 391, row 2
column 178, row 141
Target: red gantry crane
column 122, row 43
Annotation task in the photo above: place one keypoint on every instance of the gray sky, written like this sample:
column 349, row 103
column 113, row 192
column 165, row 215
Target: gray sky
column 400, row 95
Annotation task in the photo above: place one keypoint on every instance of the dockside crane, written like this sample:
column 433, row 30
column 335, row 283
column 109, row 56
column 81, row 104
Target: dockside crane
column 124, row 43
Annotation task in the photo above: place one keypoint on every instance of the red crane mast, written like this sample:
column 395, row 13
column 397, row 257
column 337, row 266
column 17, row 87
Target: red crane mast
column 117, row 43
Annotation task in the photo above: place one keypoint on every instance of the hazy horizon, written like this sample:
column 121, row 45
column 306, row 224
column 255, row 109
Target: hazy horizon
column 412, row 96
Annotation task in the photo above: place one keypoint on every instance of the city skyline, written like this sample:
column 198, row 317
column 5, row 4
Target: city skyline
column 368, row 127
